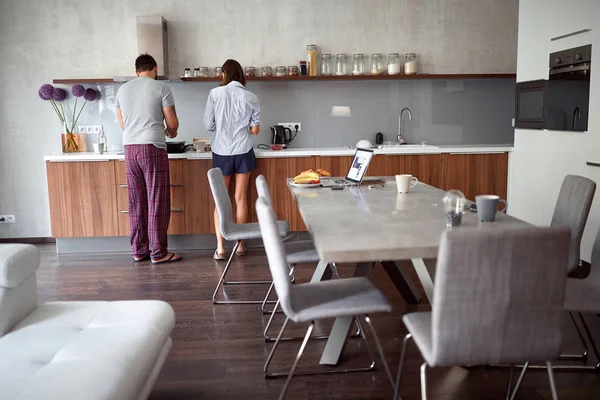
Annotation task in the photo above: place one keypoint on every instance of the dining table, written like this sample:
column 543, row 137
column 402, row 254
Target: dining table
column 373, row 224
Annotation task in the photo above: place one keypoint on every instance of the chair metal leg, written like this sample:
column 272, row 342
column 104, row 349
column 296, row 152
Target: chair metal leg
column 378, row 345
column 222, row 282
column 551, row 380
column 516, row 389
column 272, row 353
column 424, row 381
column 576, row 357
column 510, row 379
column 592, row 343
column 266, row 300
column 400, row 365
column 297, row 360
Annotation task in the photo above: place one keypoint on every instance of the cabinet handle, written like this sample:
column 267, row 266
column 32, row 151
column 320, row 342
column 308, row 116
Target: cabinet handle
column 172, row 185
column 172, row 210
column 176, row 184
column 487, row 152
column 570, row 34
column 123, row 186
column 68, row 161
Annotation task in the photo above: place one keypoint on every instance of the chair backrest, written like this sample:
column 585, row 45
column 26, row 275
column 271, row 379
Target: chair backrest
column 275, row 253
column 572, row 210
column 262, row 189
column 222, row 201
column 499, row 295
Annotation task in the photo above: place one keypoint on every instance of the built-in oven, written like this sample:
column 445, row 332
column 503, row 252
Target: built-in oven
column 560, row 103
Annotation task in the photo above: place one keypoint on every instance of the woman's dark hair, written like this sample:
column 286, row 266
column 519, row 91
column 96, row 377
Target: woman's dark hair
column 145, row 62
column 232, row 71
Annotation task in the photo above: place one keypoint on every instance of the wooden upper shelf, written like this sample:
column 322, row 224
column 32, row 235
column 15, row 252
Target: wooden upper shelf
column 320, row 78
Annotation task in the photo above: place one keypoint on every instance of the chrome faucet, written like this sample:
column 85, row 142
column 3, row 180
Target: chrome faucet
column 400, row 122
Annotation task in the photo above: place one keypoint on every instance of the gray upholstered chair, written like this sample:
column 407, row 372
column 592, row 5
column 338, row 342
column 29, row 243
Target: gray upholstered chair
column 316, row 300
column 583, row 295
column 234, row 232
column 497, row 300
column 572, row 210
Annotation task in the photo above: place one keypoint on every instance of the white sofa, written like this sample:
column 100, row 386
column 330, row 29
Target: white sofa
column 75, row 350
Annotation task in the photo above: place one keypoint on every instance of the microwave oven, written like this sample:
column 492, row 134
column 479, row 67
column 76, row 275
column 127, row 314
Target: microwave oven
column 561, row 102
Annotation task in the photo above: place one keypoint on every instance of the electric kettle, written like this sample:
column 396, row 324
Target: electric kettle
column 281, row 135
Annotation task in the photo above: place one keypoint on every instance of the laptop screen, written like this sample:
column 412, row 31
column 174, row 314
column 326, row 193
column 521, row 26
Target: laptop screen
column 359, row 165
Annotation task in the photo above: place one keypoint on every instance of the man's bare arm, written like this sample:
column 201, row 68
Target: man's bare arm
column 171, row 120
column 120, row 118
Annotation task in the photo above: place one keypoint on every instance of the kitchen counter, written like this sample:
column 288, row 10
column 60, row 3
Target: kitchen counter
column 301, row 152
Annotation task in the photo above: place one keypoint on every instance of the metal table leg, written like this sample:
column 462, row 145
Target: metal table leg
column 424, row 276
column 400, row 277
column 341, row 327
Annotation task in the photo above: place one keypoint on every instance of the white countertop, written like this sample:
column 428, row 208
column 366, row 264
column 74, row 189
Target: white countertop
column 300, row 152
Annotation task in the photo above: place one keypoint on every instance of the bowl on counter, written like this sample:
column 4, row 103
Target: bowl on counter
column 276, row 147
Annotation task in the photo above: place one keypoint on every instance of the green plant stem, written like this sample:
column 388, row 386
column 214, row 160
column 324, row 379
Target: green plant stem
column 77, row 119
column 57, row 111
column 65, row 117
column 74, row 108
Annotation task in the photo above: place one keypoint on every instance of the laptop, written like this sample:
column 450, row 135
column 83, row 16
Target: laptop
column 357, row 171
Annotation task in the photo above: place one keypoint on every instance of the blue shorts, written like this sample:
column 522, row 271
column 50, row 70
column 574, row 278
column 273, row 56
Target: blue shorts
column 237, row 164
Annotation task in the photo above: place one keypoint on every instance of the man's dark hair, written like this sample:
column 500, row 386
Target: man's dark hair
column 233, row 72
column 145, row 62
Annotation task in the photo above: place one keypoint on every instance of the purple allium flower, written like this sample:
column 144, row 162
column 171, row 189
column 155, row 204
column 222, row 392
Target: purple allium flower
column 90, row 94
column 78, row 90
column 59, row 94
column 45, row 92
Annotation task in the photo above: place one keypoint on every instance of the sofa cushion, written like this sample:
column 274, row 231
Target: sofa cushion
column 77, row 350
column 17, row 262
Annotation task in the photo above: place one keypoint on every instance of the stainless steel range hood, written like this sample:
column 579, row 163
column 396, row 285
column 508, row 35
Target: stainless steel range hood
column 152, row 38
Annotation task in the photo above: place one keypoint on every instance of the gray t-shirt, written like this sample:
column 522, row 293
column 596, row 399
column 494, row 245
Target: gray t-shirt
column 141, row 101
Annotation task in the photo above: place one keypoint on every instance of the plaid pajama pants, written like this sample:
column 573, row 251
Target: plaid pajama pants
column 149, row 193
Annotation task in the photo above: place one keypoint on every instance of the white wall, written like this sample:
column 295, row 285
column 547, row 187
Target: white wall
column 541, row 159
column 42, row 40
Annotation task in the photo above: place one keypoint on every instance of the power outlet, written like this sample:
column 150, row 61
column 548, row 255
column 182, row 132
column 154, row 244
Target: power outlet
column 90, row 129
column 291, row 125
column 7, row 219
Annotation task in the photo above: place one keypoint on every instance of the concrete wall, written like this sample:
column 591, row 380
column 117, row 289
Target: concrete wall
column 42, row 40
column 541, row 159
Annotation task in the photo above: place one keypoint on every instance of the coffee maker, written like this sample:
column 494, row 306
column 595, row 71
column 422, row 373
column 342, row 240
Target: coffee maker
column 281, row 135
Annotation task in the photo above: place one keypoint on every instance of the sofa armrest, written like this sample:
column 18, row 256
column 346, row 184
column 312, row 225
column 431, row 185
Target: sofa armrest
column 17, row 263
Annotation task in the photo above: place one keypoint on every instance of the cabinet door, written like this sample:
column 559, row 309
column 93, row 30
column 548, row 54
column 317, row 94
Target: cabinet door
column 276, row 172
column 199, row 203
column 475, row 174
column 337, row 165
column 426, row 167
column 82, row 198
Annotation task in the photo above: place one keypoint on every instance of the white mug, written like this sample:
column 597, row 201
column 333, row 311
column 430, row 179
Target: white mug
column 405, row 182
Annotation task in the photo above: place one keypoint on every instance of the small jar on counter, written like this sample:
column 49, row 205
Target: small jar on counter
column 341, row 64
column 394, row 64
column 250, row 71
column 293, row 70
column 267, row 71
column 218, row 72
column 358, row 64
column 410, row 64
column 280, row 71
column 187, row 73
column 303, row 68
column 203, row 71
column 326, row 68
column 376, row 64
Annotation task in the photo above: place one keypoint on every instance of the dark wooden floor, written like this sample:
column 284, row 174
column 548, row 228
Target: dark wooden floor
column 218, row 351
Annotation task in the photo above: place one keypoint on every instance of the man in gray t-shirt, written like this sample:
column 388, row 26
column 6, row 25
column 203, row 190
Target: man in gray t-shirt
column 142, row 106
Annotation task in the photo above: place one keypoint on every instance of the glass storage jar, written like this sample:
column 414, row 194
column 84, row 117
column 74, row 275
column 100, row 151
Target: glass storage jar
column 326, row 67
column 203, row 72
column 341, row 64
column 293, row 70
column 218, row 73
column 250, row 71
column 376, row 64
column 410, row 63
column 454, row 206
column 280, row 71
column 267, row 71
column 196, row 72
column 311, row 59
column 358, row 64
column 187, row 73
column 394, row 64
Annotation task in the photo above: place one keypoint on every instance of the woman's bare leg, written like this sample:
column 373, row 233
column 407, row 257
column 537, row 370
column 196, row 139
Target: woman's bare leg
column 220, row 240
column 241, row 201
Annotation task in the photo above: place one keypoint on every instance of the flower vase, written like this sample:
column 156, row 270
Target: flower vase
column 71, row 142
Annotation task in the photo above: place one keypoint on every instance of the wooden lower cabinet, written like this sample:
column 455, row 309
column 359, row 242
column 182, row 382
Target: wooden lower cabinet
column 276, row 172
column 199, row 204
column 476, row 174
column 82, row 198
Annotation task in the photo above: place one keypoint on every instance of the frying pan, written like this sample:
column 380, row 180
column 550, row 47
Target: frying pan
column 177, row 147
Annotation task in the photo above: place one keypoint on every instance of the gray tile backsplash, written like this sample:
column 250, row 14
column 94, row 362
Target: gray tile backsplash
column 444, row 112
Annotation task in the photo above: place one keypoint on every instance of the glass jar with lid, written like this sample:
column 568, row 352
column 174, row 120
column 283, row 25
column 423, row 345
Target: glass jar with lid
column 187, row 73
column 218, row 73
column 376, row 64
column 394, row 64
column 267, row 71
column 250, row 71
column 280, row 71
column 311, row 60
column 410, row 63
column 293, row 70
column 341, row 64
column 196, row 72
column 326, row 67
column 358, row 64
column 203, row 71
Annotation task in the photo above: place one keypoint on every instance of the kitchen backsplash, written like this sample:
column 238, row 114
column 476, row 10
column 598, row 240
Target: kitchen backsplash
column 444, row 112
